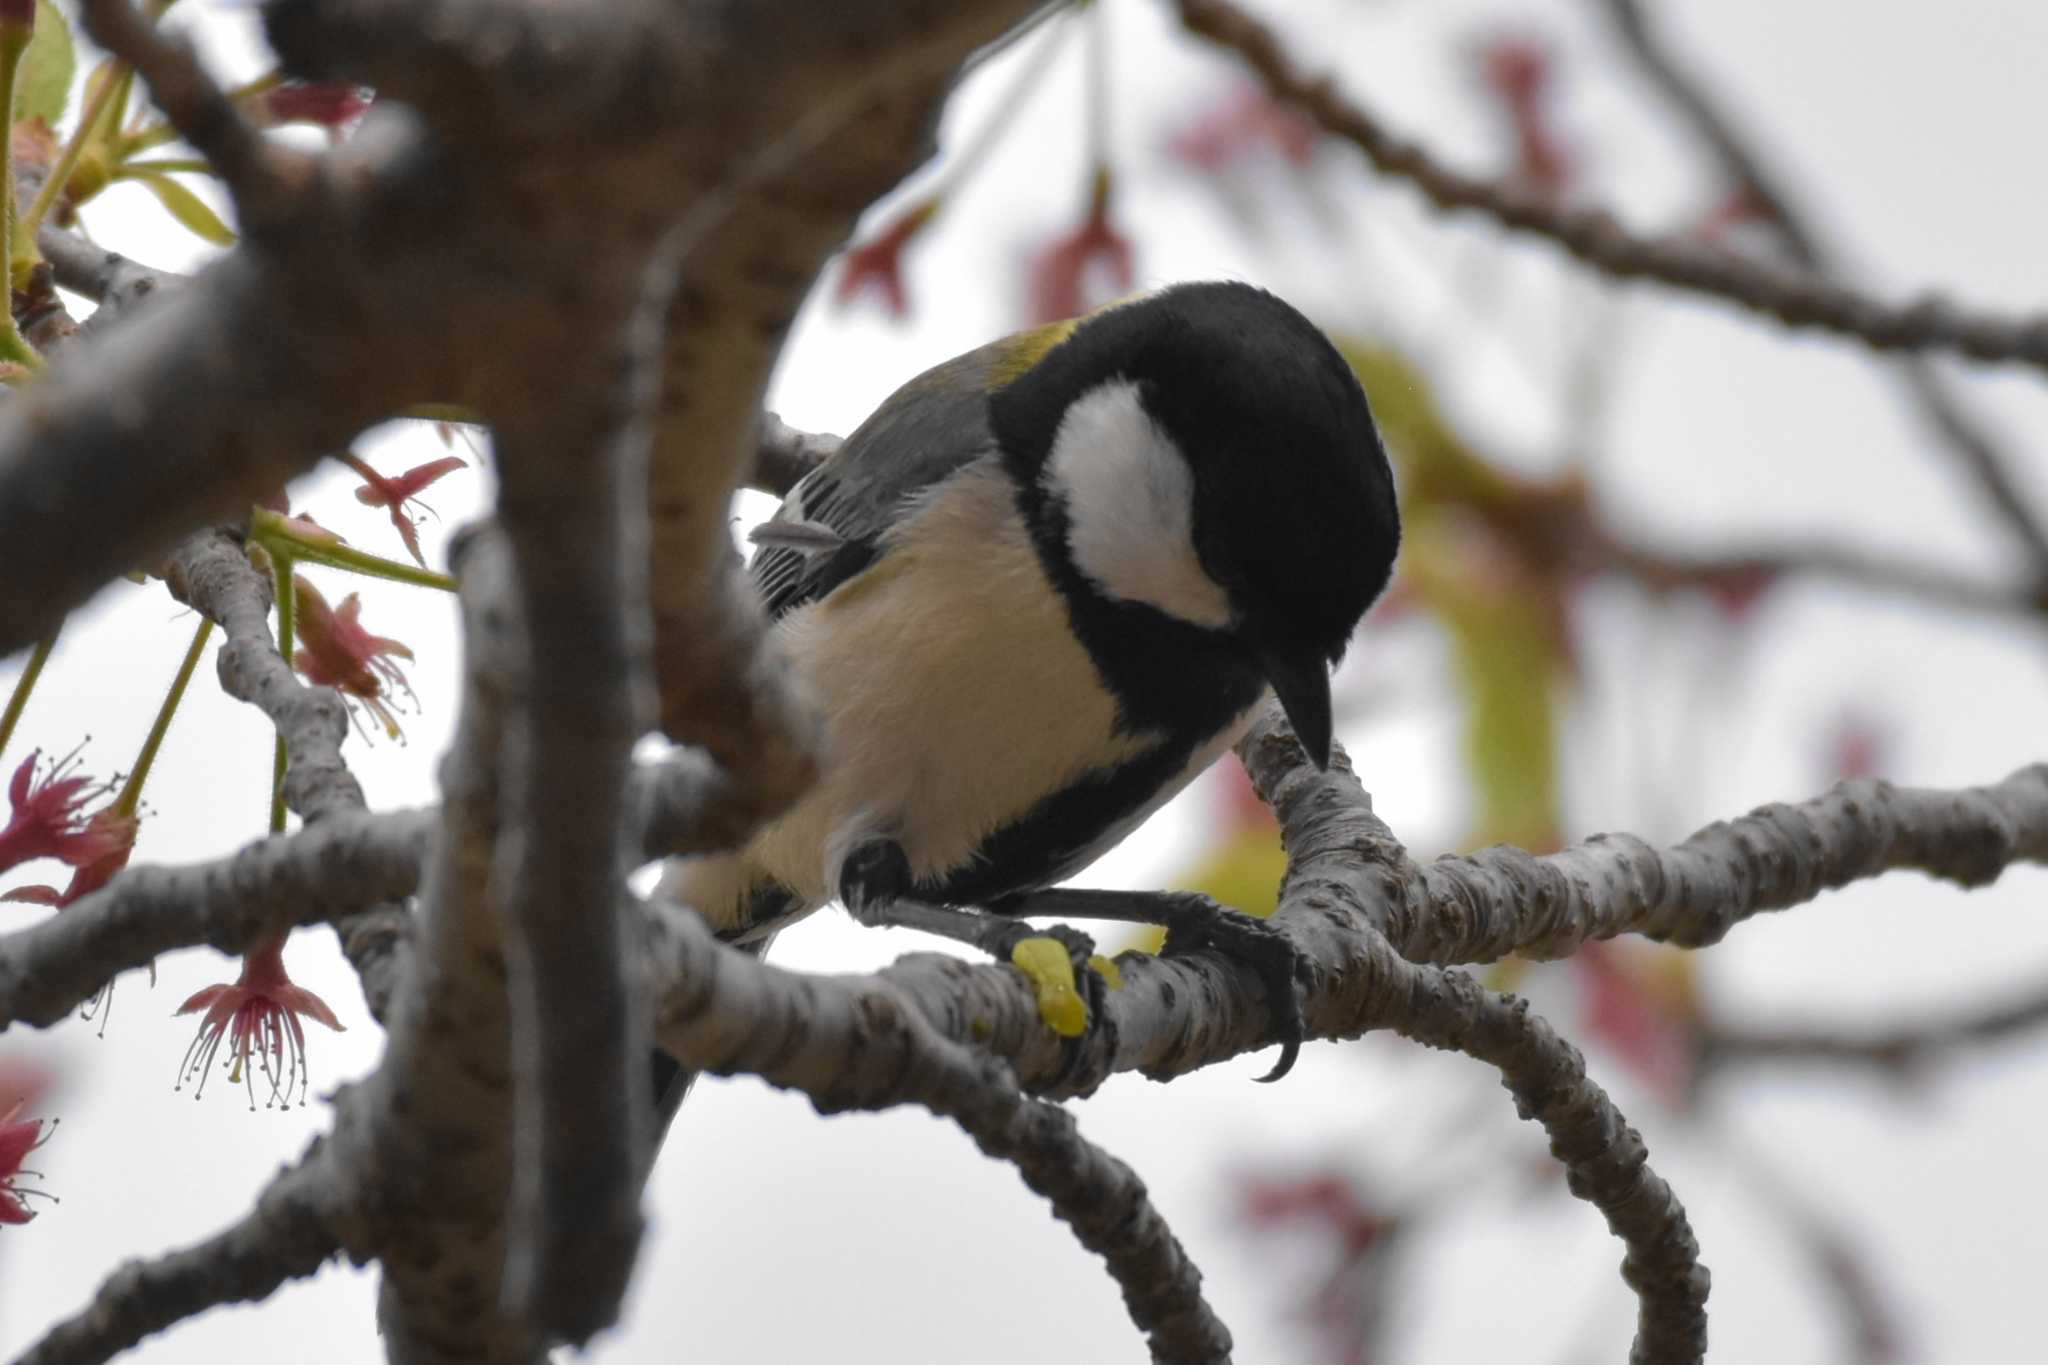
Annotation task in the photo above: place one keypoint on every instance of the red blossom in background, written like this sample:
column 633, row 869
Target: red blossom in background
column 1060, row 274
column 1520, row 73
column 1857, row 746
column 1349, row 1308
column 49, row 820
column 878, row 264
column 1737, row 592
column 1247, row 121
column 338, row 653
column 332, row 105
column 258, row 1018
column 1737, row 209
column 395, row 492
column 1644, row 1007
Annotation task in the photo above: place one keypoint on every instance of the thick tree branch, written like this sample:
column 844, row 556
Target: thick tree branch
column 1502, row 900
column 1595, row 237
column 578, row 532
column 287, row 1236
column 427, row 1140
column 405, row 250
column 1981, row 458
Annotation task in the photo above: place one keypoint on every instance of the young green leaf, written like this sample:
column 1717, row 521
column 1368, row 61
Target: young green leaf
column 43, row 87
column 185, row 206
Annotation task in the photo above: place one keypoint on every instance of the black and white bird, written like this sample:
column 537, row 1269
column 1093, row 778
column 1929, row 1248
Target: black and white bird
column 1042, row 588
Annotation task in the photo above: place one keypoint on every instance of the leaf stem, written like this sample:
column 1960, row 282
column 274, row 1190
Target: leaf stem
column 131, row 790
column 24, row 685
column 287, row 621
column 281, row 536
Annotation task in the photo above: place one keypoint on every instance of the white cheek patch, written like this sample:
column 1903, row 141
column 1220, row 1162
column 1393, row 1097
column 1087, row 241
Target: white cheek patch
column 1129, row 496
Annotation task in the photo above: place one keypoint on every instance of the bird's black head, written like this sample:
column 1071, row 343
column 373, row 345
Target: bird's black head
column 1205, row 452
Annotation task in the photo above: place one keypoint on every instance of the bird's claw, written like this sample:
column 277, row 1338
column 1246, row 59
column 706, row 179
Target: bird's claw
column 1194, row 922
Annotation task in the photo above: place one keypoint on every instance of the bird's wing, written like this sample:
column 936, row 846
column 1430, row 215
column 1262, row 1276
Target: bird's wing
column 830, row 527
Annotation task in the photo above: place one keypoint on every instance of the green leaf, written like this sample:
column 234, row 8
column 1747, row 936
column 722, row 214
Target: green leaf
column 185, row 206
column 43, row 86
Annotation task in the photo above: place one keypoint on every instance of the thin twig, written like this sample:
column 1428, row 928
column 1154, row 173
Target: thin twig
column 211, row 573
column 1903, row 1050
column 1597, row 238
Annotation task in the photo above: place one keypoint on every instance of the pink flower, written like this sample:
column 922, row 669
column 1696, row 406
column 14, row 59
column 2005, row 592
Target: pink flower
column 1060, row 276
column 879, row 263
column 111, row 835
column 394, row 493
column 258, row 1017
column 340, row 654
column 18, row 1137
column 1520, row 73
column 49, row 818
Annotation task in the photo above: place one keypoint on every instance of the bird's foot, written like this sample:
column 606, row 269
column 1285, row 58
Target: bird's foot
column 1194, row 922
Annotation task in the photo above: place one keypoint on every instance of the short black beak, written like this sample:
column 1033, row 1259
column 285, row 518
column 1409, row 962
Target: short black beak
column 1302, row 682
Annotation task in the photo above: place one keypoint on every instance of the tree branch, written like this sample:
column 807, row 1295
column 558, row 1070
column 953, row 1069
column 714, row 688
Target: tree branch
column 287, row 1236
column 326, row 872
column 783, row 455
column 110, row 279
column 1595, row 237
column 211, row 573
column 574, row 477
column 1484, row 906
column 1902, row 1050
column 427, row 1139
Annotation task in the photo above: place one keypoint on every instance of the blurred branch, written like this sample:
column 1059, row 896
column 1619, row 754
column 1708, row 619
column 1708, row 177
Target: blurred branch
column 1595, row 237
column 108, row 278
column 426, row 1140
column 288, row 1235
column 1976, row 449
column 783, row 455
column 1902, row 1050
column 577, row 530
column 1745, row 567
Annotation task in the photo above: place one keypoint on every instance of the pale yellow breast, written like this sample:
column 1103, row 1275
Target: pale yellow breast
column 955, row 693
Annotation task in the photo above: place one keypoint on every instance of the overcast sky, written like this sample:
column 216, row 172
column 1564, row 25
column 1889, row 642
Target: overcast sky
column 1914, row 133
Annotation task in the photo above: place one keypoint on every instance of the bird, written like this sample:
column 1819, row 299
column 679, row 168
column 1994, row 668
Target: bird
column 1043, row 587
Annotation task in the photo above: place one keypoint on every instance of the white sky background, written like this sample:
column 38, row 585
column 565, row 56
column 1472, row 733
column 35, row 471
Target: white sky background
column 779, row 1237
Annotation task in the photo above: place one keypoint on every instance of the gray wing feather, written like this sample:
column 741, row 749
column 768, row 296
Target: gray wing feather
column 830, row 526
